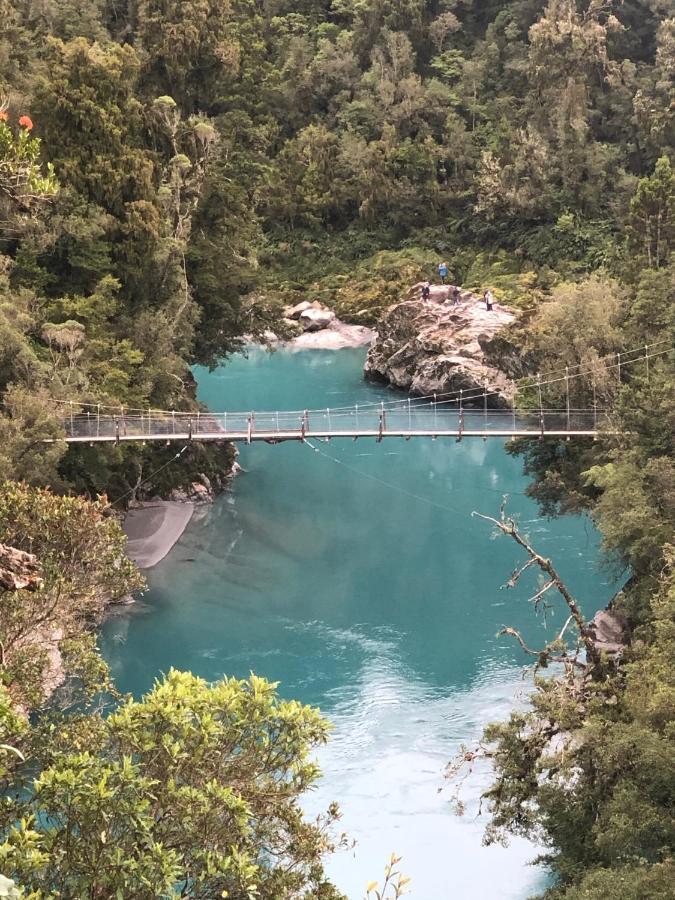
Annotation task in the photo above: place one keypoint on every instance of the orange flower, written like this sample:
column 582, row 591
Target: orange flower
column 26, row 122
column 3, row 116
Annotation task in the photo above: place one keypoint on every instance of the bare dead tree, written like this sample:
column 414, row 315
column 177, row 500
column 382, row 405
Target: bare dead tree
column 582, row 663
column 556, row 650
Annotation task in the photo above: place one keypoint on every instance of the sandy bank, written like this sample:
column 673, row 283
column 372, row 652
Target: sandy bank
column 153, row 529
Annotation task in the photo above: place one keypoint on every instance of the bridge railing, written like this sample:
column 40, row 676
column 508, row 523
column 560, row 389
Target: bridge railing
column 403, row 419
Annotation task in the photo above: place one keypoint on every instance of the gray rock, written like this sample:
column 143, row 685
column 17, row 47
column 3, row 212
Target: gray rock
column 313, row 319
column 200, row 493
column 609, row 629
column 294, row 312
column 431, row 347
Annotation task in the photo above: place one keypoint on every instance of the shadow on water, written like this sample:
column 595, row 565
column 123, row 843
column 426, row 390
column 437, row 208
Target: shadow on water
column 357, row 578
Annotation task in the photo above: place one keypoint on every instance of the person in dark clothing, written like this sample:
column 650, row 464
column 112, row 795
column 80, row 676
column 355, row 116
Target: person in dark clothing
column 426, row 290
column 455, row 295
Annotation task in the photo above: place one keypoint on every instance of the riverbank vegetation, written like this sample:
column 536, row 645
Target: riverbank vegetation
column 588, row 771
column 171, row 173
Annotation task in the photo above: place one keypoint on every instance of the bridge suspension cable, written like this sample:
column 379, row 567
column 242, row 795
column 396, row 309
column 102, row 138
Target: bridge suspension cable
column 620, row 360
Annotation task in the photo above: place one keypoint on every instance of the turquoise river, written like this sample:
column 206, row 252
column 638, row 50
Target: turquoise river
column 354, row 574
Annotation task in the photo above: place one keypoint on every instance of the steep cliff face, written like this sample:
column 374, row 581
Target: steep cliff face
column 434, row 347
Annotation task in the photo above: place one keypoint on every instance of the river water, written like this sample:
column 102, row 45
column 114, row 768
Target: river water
column 354, row 574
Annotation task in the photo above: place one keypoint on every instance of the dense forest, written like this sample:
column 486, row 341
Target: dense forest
column 172, row 172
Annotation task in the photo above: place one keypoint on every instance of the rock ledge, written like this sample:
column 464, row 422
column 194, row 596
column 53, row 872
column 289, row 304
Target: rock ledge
column 432, row 347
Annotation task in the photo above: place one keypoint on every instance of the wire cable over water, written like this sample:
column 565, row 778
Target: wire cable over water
column 389, row 485
column 146, row 480
column 619, row 361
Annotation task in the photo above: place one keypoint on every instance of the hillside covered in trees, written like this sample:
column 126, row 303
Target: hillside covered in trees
column 171, row 173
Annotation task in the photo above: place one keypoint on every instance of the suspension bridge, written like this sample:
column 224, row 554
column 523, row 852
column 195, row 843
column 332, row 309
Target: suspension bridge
column 461, row 414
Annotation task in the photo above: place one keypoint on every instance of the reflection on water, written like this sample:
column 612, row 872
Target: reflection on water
column 357, row 578
column 393, row 739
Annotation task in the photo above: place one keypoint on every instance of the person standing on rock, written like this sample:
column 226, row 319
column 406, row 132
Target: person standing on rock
column 426, row 290
column 489, row 300
column 455, row 295
column 443, row 271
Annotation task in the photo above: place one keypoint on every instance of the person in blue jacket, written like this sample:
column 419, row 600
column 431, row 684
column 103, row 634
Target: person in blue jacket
column 443, row 271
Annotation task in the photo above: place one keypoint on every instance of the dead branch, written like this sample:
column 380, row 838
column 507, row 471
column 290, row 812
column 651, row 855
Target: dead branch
column 547, row 654
column 564, row 628
column 535, row 598
column 508, row 526
column 515, row 575
column 506, row 629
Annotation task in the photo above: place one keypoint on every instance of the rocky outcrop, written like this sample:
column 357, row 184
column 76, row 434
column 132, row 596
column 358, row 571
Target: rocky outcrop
column 337, row 336
column 294, row 312
column 310, row 316
column 609, row 630
column 19, row 571
column 433, row 347
column 204, row 489
column 312, row 326
column 316, row 319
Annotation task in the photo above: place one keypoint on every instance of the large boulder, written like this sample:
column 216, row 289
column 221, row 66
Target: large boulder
column 432, row 347
column 313, row 319
column 609, row 629
column 294, row 312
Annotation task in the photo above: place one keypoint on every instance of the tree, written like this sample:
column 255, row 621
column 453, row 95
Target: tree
column 30, row 438
column 91, row 122
column 45, row 634
column 193, row 791
column 652, row 215
column 24, row 185
column 585, row 769
column 578, row 329
column 190, row 49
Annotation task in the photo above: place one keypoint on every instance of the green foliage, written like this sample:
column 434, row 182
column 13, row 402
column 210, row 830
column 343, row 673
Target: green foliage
column 193, row 790
column 13, row 728
column 510, row 282
column 375, row 284
column 198, row 165
column 625, row 883
column 95, row 145
column 81, row 555
column 192, row 140
column 587, row 770
column 636, row 506
column 30, row 446
column 23, row 181
column 132, row 472
column 652, row 215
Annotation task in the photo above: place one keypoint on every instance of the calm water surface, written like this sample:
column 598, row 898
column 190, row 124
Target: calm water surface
column 357, row 578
